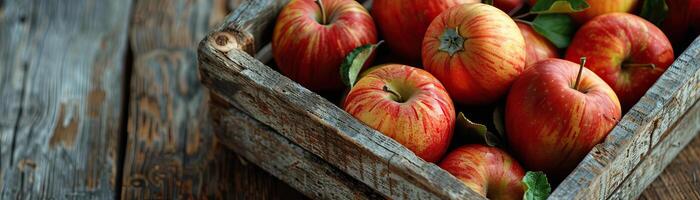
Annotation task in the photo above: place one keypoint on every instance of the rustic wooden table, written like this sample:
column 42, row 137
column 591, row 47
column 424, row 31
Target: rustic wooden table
column 102, row 100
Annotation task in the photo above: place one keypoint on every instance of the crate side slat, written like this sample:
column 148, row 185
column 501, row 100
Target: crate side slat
column 277, row 155
column 653, row 164
column 610, row 163
column 325, row 130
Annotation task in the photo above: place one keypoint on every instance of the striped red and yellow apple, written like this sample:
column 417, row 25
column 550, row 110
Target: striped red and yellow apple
column 403, row 22
column 407, row 104
column 476, row 51
column 537, row 48
column 628, row 52
column 311, row 39
column 488, row 171
column 600, row 7
column 552, row 122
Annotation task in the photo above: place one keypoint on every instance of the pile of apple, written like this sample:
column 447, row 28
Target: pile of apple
column 562, row 72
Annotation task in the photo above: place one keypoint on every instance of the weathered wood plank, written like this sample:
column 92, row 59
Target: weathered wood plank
column 320, row 127
column 641, row 130
column 61, row 80
column 679, row 135
column 681, row 179
column 171, row 152
column 279, row 156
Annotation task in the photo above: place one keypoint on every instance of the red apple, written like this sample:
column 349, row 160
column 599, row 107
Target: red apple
column 600, row 7
column 682, row 23
column 407, row 104
column 311, row 40
column 403, row 23
column 538, row 48
column 552, row 122
column 488, row 171
column 509, row 6
column 476, row 50
column 628, row 52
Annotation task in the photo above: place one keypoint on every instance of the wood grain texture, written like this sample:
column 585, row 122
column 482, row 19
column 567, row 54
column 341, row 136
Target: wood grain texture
column 171, row 152
column 61, row 80
column 322, row 128
column 613, row 163
column 303, row 170
column 248, row 28
column 679, row 135
column 681, row 179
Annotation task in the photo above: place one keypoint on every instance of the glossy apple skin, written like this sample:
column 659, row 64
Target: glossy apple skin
column 493, row 54
column 403, row 23
column 423, row 122
column 600, row 7
column 310, row 53
column 488, row 171
column 552, row 126
column 610, row 40
column 682, row 23
column 538, row 48
column 509, row 6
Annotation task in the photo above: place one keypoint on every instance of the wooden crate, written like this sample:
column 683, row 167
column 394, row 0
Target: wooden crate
column 322, row 151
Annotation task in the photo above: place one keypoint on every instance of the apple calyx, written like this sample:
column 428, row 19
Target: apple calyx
column 451, row 41
column 392, row 92
column 580, row 71
column 323, row 12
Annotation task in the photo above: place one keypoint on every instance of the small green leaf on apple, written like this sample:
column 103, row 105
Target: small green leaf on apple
column 476, row 131
column 655, row 11
column 489, row 2
column 557, row 28
column 559, row 6
column 536, row 186
column 355, row 61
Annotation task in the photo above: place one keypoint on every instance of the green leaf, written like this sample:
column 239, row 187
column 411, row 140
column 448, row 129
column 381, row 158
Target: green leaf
column 557, row 28
column 536, row 186
column 655, row 11
column 355, row 61
column 559, row 6
column 489, row 2
column 498, row 121
column 476, row 131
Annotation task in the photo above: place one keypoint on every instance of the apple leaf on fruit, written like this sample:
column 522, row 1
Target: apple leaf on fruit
column 489, row 2
column 536, row 186
column 557, row 28
column 355, row 61
column 559, row 6
column 655, row 11
column 476, row 131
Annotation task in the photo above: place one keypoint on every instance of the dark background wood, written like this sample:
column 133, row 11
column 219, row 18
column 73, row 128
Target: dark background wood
column 100, row 99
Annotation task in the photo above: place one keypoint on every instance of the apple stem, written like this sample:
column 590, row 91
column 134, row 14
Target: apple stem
column 386, row 89
column 580, row 71
column 323, row 12
column 632, row 65
column 523, row 21
column 523, row 15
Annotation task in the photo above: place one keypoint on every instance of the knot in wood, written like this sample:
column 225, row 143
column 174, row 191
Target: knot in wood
column 224, row 41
